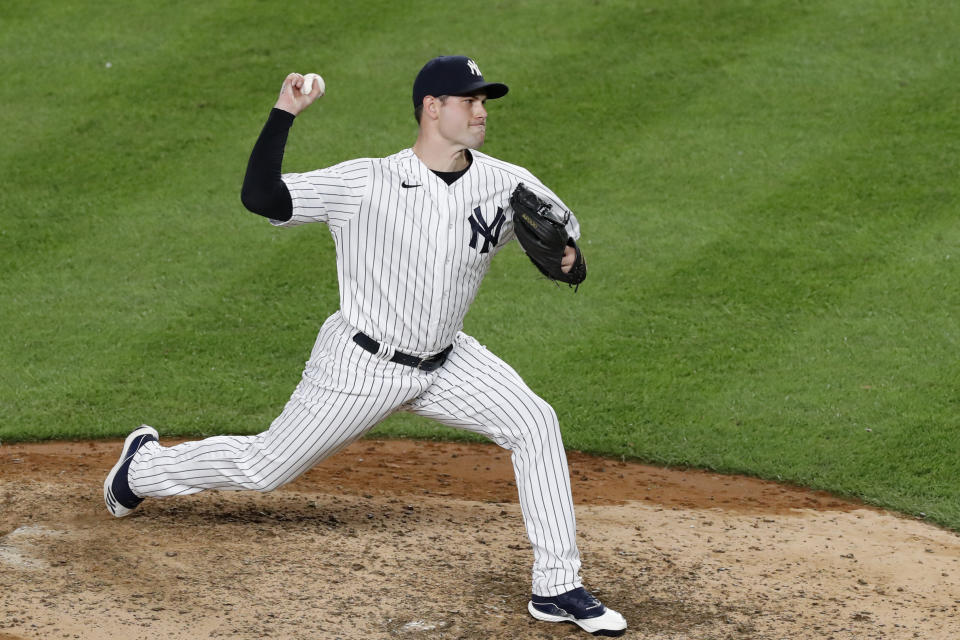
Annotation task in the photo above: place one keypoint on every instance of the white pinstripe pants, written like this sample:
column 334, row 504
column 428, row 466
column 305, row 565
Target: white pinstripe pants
column 345, row 391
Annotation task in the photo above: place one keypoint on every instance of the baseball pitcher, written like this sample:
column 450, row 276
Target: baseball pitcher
column 414, row 233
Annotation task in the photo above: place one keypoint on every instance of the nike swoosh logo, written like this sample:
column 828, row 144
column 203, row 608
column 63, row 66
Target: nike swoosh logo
column 408, row 186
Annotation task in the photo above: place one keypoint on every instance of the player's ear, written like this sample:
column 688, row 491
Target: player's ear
column 431, row 106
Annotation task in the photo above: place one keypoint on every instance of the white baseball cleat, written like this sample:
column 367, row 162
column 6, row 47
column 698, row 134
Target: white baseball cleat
column 117, row 495
column 580, row 607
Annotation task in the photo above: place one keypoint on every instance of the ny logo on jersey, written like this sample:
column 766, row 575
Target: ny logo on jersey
column 474, row 69
column 490, row 232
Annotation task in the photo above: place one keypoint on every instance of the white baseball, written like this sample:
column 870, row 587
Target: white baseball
column 308, row 83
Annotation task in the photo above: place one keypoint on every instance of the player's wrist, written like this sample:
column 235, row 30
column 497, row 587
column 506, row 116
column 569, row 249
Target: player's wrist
column 286, row 108
column 281, row 117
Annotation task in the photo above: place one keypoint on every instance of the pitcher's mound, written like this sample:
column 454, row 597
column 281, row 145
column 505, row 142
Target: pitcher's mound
column 407, row 539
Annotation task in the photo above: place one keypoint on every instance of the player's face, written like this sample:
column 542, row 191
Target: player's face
column 463, row 120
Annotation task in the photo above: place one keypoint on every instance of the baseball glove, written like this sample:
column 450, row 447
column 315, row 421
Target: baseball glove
column 542, row 233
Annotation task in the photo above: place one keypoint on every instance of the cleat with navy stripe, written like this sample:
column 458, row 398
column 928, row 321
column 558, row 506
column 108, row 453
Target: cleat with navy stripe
column 581, row 608
column 117, row 494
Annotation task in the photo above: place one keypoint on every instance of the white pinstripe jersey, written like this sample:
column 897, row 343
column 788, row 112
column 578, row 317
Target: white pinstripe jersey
column 410, row 259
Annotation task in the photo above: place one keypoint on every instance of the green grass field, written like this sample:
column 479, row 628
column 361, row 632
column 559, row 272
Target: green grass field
column 768, row 193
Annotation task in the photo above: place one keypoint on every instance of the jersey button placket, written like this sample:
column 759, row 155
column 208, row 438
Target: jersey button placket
column 439, row 289
column 450, row 243
column 449, row 246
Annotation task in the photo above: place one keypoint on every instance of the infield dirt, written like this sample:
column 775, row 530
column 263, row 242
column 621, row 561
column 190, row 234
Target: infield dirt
column 408, row 539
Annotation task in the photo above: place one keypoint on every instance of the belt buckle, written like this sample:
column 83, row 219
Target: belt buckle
column 421, row 363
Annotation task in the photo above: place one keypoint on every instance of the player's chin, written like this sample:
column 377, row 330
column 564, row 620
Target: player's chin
column 477, row 139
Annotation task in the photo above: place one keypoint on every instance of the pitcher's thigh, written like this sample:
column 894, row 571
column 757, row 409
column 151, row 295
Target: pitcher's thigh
column 318, row 422
column 477, row 391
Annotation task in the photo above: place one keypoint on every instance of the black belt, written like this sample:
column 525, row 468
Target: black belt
column 426, row 364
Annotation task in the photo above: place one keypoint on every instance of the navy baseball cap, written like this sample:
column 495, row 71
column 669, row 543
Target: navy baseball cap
column 453, row 76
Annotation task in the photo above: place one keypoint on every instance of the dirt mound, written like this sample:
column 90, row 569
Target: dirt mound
column 405, row 539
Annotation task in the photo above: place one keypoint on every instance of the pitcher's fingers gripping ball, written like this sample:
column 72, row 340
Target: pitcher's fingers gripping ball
column 308, row 83
column 299, row 91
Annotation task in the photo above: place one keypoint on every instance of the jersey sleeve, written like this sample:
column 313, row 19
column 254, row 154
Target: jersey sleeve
column 331, row 195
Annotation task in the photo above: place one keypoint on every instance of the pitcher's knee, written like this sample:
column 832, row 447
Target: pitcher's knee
column 537, row 426
column 265, row 472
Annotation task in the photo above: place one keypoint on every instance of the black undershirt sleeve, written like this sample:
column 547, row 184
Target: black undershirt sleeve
column 263, row 191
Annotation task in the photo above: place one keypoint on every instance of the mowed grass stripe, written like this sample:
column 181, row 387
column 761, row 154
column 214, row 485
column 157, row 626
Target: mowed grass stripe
column 757, row 181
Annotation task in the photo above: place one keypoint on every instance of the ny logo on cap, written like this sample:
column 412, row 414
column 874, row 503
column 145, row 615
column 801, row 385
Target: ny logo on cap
column 474, row 69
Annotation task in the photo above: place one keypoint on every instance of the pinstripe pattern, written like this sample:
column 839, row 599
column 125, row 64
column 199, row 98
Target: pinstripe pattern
column 477, row 391
column 343, row 393
column 407, row 273
column 409, row 262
